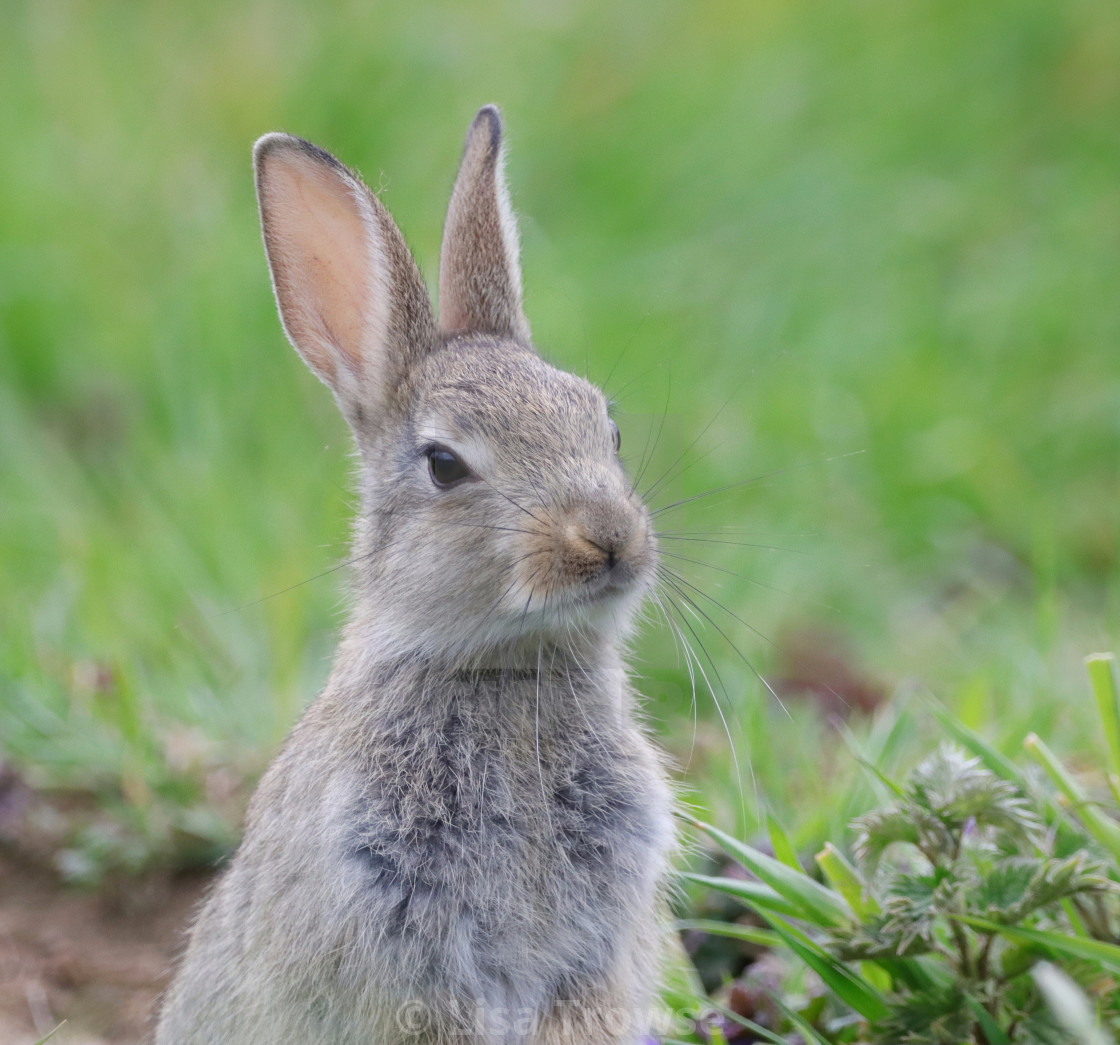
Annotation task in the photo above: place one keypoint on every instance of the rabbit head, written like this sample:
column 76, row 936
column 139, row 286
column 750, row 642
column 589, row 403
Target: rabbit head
column 495, row 511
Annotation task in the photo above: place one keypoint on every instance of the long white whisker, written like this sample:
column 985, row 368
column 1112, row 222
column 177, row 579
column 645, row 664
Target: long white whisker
column 715, row 602
column 719, row 707
column 749, row 482
column 675, row 583
column 537, row 740
column 678, row 642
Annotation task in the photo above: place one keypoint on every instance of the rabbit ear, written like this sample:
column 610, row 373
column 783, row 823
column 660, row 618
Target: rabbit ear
column 351, row 298
column 479, row 273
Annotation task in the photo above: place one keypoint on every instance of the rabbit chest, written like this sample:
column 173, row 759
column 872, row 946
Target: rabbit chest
column 508, row 835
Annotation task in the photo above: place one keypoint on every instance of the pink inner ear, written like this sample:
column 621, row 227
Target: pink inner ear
column 319, row 251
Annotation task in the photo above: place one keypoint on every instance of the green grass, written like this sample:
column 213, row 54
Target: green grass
column 869, row 227
column 966, row 882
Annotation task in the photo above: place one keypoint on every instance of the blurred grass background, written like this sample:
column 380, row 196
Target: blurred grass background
column 869, row 250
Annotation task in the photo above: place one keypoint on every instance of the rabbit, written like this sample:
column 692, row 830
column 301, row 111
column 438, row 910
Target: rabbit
column 466, row 838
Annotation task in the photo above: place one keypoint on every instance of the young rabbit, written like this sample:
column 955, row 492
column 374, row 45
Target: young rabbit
column 465, row 839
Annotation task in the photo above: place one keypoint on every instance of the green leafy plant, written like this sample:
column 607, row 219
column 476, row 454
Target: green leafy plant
column 983, row 905
column 955, row 865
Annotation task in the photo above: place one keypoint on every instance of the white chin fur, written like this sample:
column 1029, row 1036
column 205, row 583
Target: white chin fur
column 608, row 612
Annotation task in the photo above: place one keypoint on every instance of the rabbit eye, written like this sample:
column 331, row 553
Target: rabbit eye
column 445, row 468
column 617, row 436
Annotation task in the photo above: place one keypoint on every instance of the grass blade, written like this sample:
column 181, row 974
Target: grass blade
column 755, row 1028
column 993, row 1033
column 755, row 894
column 1106, row 954
column 1102, row 828
column 732, row 930
column 48, row 1037
column 847, row 881
column 998, row 763
column 1106, row 688
column 810, row 1036
column 818, row 905
column 783, row 847
column 851, row 989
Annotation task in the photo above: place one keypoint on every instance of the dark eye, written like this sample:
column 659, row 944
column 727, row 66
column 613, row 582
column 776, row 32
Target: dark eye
column 445, row 467
column 617, row 435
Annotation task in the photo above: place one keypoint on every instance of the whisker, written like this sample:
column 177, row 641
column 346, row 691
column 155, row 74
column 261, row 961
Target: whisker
column 655, row 488
column 678, row 640
column 625, row 349
column 490, row 526
column 749, row 482
column 744, row 577
column 674, row 583
column 727, row 531
column 486, row 617
column 291, row 587
column 571, row 681
column 715, row 699
column 355, row 560
column 648, row 451
column 703, row 431
column 537, row 740
column 721, row 569
column 704, row 595
column 734, row 544
column 700, row 562
column 505, row 496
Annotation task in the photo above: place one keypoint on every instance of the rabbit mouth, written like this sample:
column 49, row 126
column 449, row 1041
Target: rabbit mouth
column 616, row 581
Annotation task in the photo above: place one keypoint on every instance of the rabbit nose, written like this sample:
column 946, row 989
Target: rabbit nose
column 609, row 548
column 607, row 526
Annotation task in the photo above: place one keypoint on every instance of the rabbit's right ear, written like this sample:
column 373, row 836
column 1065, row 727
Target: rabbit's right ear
column 351, row 298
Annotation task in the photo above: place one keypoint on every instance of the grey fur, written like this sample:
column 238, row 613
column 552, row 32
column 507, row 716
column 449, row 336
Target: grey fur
column 465, row 838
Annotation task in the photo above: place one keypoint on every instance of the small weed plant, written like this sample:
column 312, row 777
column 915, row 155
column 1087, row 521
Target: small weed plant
column 982, row 905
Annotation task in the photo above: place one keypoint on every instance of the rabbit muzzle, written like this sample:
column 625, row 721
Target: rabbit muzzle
column 602, row 548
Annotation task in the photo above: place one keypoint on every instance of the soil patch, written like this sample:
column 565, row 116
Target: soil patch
column 98, row 960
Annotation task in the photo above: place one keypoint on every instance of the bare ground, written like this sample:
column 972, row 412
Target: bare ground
column 96, row 960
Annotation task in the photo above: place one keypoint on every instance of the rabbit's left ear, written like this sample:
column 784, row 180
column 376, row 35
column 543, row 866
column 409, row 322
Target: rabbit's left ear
column 480, row 273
